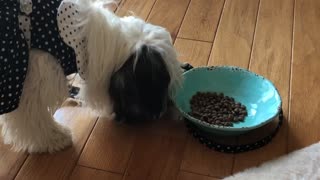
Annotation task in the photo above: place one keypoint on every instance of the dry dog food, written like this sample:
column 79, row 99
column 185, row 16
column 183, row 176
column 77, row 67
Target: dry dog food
column 216, row 108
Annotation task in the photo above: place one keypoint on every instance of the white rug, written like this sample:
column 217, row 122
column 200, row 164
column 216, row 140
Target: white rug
column 303, row 164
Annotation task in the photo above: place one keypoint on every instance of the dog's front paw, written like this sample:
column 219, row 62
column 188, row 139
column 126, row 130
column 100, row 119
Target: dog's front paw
column 50, row 139
column 59, row 139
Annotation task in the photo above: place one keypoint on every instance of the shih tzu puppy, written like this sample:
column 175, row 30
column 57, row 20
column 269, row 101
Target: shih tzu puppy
column 129, row 67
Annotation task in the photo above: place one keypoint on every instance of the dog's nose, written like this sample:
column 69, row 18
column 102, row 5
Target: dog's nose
column 186, row 66
column 158, row 116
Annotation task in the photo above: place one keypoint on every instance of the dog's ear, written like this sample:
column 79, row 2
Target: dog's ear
column 123, row 90
column 150, row 70
column 139, row 88
column 152, row 78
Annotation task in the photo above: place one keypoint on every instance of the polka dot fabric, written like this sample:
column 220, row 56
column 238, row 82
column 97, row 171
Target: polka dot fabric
column 24, row 19
column 27, row 24
column 13, row 57
column 69, row 31
column 45, row 34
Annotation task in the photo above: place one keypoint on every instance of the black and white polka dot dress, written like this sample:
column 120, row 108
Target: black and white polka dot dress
column 34, row 24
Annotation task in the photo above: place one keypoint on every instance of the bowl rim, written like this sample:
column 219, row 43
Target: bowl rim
column 226, row 128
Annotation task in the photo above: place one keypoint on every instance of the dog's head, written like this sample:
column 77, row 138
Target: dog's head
column 145, row 83
column 131, row 68
column 140, row 88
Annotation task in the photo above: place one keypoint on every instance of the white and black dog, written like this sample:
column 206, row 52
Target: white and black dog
column 129, row 67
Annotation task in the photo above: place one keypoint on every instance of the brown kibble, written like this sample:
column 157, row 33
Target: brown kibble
column 215, row 108
column 229, row 124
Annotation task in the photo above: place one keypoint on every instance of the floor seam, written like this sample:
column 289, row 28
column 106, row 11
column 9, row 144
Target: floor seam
column 216, row 31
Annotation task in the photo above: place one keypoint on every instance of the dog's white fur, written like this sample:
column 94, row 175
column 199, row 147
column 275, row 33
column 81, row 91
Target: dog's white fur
column 117, row 39
column 31, row 127
column 110, row 41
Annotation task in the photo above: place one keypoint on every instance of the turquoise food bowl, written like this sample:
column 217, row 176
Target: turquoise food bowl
column 257, row 93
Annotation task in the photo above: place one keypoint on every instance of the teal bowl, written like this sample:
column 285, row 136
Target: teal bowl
column 257, row 93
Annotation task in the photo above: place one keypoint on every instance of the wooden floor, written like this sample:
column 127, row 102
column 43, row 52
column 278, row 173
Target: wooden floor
column 278, row 39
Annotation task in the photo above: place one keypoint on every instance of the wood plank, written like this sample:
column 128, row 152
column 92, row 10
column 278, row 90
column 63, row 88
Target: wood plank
column 155, row 157
column 194, row 52
column 202, row 160
column 114, row 6
column 111, row 143
column 190, row 176
column 170, row 125
column 84, row 173
column 60, row 165
column 304, row 111
column 233, row 42
column 109, row 146
column 169, row 14
column 140, row 8
column 201, row 20
column 271, row 57
column 10, row 161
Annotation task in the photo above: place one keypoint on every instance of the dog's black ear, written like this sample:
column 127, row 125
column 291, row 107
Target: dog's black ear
column 140, row 88
column 152, row 78
column 123, row 90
